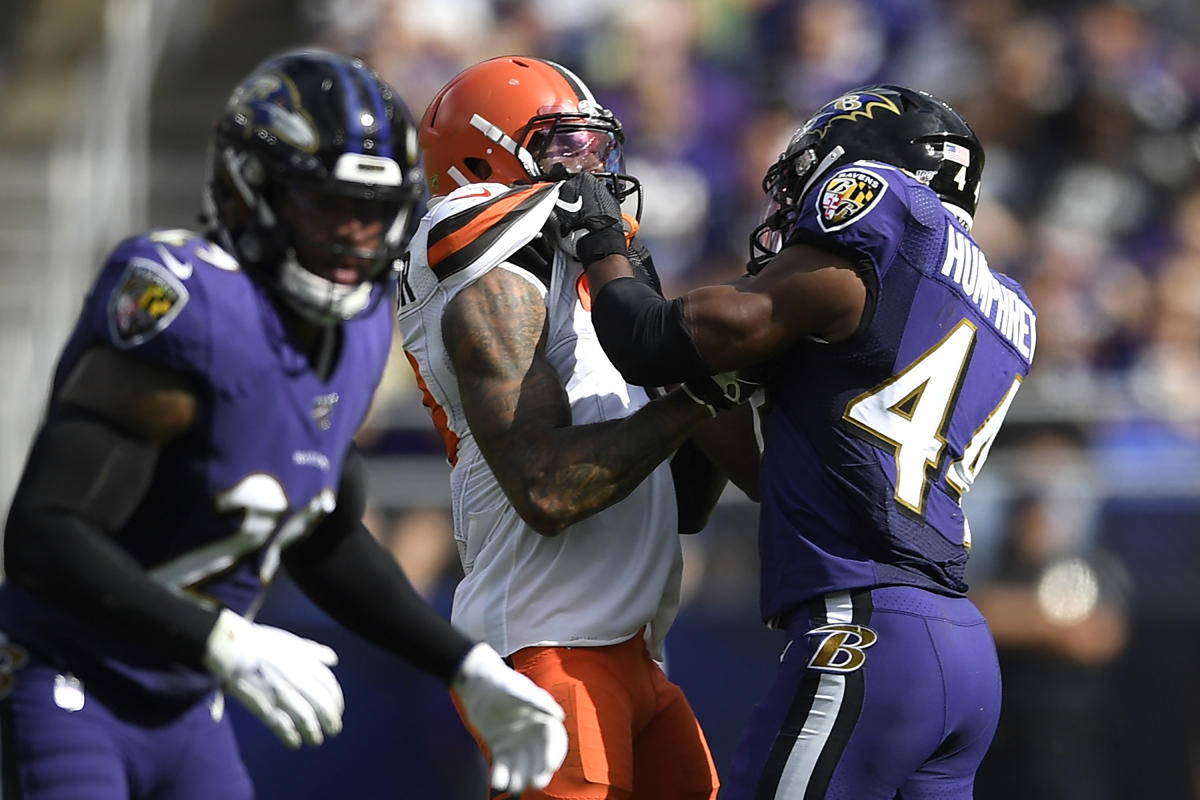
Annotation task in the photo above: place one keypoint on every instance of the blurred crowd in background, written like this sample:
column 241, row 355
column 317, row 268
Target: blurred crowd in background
column 1087, row 521
column 1088, row 110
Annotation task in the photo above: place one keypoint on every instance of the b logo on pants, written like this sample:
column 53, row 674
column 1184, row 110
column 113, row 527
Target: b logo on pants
column 842, row 647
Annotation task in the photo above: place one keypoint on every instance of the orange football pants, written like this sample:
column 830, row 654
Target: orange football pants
column 631, row 733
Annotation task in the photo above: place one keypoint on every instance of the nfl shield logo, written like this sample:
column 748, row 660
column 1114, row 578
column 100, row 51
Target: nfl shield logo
column 322, row 410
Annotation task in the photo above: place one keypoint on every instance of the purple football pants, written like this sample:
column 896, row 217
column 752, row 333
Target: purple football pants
column 886, row 694
column 50, row 752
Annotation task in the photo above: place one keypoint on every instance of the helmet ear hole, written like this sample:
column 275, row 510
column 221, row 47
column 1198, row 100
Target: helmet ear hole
column 479, row 168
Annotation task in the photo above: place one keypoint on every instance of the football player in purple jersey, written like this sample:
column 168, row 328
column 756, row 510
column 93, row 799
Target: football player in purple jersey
column 199, row 436
column 889, row 353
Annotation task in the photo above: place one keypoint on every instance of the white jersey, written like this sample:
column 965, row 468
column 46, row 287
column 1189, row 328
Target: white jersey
column 602, row 579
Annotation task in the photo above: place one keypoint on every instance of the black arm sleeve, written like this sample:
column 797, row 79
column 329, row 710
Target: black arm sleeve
column 82, row 481
column 645, row 336
column 345, row 571
column 698, row 486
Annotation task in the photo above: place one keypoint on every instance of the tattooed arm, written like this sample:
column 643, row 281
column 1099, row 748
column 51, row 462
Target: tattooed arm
column 554, row 473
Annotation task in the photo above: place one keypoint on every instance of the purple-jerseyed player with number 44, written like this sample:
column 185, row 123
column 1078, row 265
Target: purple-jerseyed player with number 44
column 889, row 353
column 199, row 436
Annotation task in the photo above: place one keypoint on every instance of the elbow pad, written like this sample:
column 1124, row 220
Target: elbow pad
column 645, row 336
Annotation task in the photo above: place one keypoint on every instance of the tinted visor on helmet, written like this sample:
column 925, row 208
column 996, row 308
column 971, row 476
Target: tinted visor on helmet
column 583, row 144
column 578, row 149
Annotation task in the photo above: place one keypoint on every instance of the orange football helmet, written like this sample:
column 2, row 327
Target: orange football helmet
column 510, row 119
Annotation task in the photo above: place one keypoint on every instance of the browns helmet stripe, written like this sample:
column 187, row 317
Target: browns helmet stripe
column 458, row 240
column 580, row 88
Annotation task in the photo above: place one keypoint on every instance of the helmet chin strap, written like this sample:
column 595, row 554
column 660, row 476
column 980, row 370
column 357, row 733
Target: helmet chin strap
column 318, row 300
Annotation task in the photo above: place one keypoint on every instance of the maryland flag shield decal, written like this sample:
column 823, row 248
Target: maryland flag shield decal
column 145, row 300
column 847, row 197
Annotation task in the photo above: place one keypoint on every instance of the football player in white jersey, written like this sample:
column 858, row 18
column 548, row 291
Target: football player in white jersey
column 566, row 513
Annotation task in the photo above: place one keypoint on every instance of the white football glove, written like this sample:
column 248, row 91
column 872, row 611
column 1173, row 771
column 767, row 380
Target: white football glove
column 282, row 678
column 519, row 721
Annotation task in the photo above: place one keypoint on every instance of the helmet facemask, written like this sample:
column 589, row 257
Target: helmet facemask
column 786, row 182
column 339, row 243
column 556, row 145
column 562, row 145
column 326, row 246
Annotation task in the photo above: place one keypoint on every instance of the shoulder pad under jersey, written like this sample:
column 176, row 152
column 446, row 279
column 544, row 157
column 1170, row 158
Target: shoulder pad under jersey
column 155, row 294
column 482, row 225
column 861, row 207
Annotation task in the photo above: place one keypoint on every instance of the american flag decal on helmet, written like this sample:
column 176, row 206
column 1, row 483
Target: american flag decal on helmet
column 956, row 153
column 322, row 410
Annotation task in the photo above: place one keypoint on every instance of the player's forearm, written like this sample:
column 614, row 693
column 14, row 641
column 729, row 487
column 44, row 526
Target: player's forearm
column 353, row 579
column 646, row 337
column 75, row 566
column 698, row 486
column 344, row 570
column 84, row 479
column 571, row 473
column 608, row 269
column 730, row 442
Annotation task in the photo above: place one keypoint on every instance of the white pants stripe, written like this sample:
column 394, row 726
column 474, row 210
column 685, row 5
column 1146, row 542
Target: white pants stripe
column 818, row 726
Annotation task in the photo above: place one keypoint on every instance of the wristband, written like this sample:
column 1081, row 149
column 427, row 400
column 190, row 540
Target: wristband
column 597, row 245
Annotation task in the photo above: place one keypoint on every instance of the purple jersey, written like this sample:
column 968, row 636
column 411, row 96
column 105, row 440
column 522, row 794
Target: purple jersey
column 871, row 442
column 259, row 468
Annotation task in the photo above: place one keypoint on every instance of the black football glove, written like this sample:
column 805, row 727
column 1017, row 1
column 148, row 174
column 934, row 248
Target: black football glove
column 589, row 214
column 720, row 392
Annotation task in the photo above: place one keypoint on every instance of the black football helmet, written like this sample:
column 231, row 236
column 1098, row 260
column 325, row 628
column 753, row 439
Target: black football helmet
column 907, row 128
column 316, row 131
